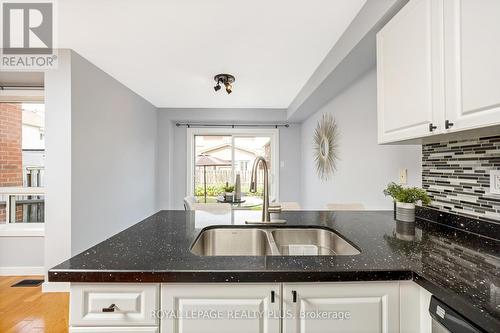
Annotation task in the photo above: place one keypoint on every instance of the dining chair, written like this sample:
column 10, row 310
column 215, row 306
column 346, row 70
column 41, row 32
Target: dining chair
column 189, row 201
column 345, row 206
column 218, row 208
column 288, row 205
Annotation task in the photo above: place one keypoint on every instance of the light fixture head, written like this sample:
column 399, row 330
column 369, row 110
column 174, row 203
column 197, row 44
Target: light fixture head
column 226, row 80
column 229, row 87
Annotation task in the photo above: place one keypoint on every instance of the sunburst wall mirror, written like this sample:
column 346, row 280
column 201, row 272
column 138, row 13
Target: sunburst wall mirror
column 325, row 146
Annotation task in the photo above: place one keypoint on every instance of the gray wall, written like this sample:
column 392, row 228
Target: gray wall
column 113, row 149
column 172, row 149
column 101, row 158
column 21, row 252
column 364, row 167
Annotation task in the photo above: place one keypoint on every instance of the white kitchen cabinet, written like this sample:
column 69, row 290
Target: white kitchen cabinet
column 391, row 306
column 356, row 307
column 438, row 69
column 410, row 88
column 414, row 303
column 472, row 63
column 220, row 308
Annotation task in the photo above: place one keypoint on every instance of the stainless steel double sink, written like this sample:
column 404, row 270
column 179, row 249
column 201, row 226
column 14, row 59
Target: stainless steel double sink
column 254, row 241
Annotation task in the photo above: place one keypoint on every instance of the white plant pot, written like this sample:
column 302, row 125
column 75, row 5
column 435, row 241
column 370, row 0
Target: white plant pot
column 229, row 196
column 405, row 212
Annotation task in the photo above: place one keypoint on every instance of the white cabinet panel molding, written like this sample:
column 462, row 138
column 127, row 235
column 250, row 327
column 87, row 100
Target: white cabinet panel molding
column 242, row 308
column 472, row 63
column 349, row 307
column 410, row 75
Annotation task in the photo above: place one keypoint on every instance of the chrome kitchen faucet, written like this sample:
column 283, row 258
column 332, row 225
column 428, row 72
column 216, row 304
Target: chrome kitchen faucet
column 266, row 215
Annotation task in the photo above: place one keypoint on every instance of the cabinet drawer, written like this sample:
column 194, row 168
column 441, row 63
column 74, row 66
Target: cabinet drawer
column 134, row 304
column 113, row 330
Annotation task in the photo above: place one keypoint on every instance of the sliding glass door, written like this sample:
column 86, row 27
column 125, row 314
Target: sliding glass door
column 218, row 155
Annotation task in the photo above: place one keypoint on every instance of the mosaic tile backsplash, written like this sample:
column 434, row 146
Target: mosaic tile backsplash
column 456, row 174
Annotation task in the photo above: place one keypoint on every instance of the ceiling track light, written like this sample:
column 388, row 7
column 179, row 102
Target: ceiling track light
column 226, row 80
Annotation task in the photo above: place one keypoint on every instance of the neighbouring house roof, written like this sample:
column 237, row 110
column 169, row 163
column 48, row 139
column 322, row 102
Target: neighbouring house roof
column 207, row 160
column 226, row 146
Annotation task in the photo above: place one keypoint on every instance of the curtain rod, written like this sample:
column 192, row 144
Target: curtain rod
column 189, row 125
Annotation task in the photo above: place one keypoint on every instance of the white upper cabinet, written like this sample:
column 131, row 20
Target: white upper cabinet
column 472, row 62
column 409, row 72
column 438, row 64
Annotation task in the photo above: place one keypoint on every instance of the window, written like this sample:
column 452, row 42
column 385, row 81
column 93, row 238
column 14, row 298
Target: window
column 22, row 163
column 216, row 156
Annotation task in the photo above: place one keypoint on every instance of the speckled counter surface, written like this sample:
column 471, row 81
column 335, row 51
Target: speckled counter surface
column 460, row 268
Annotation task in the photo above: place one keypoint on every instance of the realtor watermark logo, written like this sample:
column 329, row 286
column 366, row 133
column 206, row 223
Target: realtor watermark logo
column 28, row 35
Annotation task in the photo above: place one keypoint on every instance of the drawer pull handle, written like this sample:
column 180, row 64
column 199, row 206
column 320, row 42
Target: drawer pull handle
column 448, row 124
column 110, row 308
column 294, row 296
column 432, row 127
column 272, row 296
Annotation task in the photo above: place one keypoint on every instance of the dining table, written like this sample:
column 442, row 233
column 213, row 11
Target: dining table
column 246, row 202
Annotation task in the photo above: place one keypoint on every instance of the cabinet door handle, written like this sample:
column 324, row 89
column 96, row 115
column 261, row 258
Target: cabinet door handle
column 110, row 308
column 432, row 127
column 294, row 296
column 272, row 296
column 448, row 124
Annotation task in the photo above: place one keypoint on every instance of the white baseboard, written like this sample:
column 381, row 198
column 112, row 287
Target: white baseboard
column 22, row 270
column 55, row 287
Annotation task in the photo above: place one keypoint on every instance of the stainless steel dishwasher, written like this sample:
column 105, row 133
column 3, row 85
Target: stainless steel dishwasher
column 447, row 320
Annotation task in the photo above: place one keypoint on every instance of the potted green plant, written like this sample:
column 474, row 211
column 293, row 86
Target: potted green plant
column 392, row 190
column 405, row 199
column 228, row 192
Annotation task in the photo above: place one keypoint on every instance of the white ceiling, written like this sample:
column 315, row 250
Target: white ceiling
column 169, row 50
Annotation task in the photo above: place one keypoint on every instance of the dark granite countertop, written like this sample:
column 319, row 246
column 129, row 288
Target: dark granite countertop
column 460, row 268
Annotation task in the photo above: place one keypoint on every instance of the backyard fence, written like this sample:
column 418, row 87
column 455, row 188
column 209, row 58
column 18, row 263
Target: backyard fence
column 221, row 176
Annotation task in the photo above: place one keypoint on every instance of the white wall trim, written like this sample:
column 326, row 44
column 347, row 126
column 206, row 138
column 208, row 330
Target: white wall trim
column 22, row 270
column 275, row 155
column 55, row 287
column 22, row 230
column 20, row 96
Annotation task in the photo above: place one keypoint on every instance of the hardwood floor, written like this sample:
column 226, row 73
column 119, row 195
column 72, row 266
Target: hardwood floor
column 27, row 309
